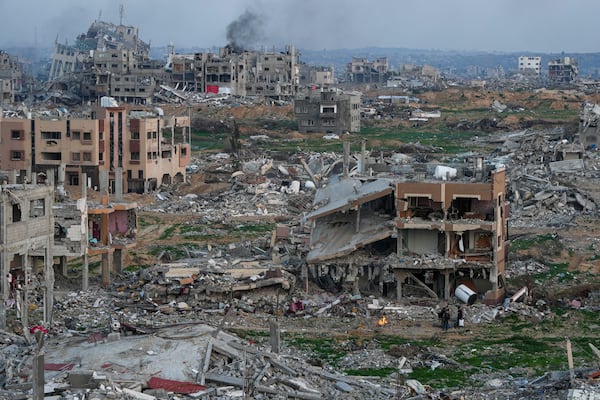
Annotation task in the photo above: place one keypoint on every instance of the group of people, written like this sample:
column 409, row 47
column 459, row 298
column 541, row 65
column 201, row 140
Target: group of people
column 445, row 317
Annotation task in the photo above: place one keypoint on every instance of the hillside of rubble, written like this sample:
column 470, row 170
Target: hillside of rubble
column 238, row 220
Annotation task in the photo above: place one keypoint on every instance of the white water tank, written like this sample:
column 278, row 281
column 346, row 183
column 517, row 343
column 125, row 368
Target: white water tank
column 465, row 294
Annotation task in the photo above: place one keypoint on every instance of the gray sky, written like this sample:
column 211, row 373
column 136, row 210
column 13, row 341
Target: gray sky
column 490, row 25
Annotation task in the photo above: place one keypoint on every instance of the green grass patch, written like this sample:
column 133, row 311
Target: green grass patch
column 442, row 377
column 381, row 372
column 168, row 233
column 176, row 252
column 529, row 242
column 209, row 141
column 325, row 349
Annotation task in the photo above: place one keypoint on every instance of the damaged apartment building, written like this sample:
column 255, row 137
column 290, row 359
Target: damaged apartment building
column 328, row 111
column 11, row 79
column 146, row 148
column 107, row 60
column 243, row 73
column 36, row 230
column 361, row 70
column 428, row 231
column 26, row 250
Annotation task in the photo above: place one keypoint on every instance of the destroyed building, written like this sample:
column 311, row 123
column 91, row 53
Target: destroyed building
column 562, row 70
column 589, row 126
column 431, row 231
column 107, row 60
column 240, row 73
column 361, row 70
column 26, row 249
column 311, row 75
column 141, row 143
column 328, row 111
column 11, row 78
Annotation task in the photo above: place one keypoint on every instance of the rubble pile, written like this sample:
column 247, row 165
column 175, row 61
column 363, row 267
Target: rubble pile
column 546, row 169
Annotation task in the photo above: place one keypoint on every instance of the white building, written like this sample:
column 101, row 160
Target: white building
column 530, row 64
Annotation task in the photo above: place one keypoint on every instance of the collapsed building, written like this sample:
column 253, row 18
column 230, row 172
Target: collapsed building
column 431, row 231
column 107, row 60
column 35, row 230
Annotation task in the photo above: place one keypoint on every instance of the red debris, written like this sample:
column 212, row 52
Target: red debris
column 174, row 386
column 36, row 328
column 58, row 367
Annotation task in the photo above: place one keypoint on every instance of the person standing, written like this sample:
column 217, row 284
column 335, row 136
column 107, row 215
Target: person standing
column 446, row 318
column 460, row 318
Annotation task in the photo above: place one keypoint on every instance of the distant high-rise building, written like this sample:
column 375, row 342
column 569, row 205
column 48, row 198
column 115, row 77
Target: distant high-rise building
column 528, row 64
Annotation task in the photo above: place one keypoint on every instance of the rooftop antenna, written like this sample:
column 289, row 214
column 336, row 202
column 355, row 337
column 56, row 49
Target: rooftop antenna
column 121, row 11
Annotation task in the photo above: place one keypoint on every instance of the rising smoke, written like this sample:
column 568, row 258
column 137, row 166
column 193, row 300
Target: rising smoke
column 245, row 31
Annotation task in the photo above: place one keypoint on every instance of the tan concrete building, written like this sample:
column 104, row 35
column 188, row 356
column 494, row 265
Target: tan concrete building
column 149, row 149
column 16, row 145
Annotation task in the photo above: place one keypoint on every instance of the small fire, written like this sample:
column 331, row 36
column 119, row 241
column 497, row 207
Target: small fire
column 382, row 321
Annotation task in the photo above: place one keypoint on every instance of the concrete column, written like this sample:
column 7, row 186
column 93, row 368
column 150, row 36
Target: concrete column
column 275, row 338
column 62, row 173
column 447, row 285
column 38, row 368
column 106, row 270
column 85, row 273
column 119, row 184
column 363, row 156
column 49, row 283
column 346, row 158
column 103, row 182
column 63, row 265
column 25, row 298
column 118, row 257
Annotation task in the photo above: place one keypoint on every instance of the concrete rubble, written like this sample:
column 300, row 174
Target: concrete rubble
column 160, row 332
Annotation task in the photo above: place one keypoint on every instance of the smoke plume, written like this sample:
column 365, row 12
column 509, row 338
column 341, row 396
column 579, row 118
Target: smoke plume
column 245, row 31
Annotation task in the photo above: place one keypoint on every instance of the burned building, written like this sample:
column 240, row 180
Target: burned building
column 328, row 111
column 432, row 231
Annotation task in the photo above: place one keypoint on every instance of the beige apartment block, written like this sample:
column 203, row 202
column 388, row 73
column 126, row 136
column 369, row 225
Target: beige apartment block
column 70, row 142
column 16, row 145
column 148, row 149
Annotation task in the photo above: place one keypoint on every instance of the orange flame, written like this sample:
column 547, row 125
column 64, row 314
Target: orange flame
column 382, row 321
